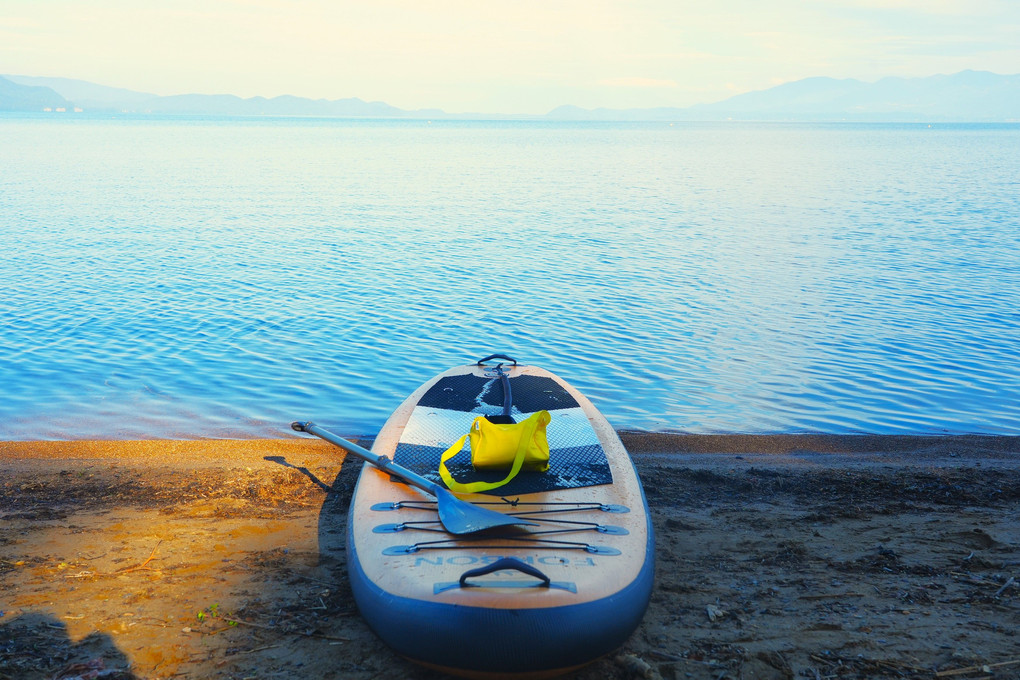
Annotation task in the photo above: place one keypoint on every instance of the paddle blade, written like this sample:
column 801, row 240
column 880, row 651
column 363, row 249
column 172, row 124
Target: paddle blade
column 461, row 517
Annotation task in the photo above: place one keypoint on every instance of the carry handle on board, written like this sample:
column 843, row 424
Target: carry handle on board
column 499, row 565
column 496, row 356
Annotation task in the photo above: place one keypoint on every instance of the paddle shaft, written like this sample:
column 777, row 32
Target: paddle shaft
column 378, row 460
column 456, row 515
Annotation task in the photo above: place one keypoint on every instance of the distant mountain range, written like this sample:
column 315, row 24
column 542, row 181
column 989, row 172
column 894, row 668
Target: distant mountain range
column 968, row 96
column 19, row 97
column 102, row 99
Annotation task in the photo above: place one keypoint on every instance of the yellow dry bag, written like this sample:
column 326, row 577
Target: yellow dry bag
column 497, row 446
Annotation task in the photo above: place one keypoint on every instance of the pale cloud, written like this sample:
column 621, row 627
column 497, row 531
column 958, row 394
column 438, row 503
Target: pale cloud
column 637, row 82
column 17, row 23
column 945, row 7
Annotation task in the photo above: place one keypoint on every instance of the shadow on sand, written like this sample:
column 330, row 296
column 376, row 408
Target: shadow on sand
column 37, row 646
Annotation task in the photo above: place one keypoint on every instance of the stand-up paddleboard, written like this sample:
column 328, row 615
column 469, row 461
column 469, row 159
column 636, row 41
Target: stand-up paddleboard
column 533, row 599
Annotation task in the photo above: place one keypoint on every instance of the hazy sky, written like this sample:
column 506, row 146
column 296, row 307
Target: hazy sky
column 510, row 56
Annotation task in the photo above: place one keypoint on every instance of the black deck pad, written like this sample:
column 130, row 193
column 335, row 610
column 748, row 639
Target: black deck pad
column 568, row 469
column 467, row 392
column 445, row 412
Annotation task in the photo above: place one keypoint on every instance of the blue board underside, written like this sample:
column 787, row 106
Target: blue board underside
column 446, row 411
column 485, row 639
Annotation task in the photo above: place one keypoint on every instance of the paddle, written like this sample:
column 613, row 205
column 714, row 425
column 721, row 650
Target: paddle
column 456, row 515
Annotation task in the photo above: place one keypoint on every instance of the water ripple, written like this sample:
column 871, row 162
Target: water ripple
column 218, row 278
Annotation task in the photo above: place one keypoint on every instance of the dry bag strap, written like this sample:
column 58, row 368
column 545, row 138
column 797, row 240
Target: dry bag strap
column 527, row 432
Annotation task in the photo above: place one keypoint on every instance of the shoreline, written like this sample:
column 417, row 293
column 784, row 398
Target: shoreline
column 691, row 450
column 636, row 441
column 778, row 556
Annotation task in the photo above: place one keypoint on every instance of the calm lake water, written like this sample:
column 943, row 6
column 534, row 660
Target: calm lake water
column 193, row 278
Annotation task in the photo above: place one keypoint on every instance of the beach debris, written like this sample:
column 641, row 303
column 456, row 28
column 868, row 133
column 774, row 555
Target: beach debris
column 765, row 666
column 143, row 564
column 1000, row 591
column 834, row 665
column 983, row 668
column 91, row 670
column 715, row 613
column 636, row 667
column 829, row 596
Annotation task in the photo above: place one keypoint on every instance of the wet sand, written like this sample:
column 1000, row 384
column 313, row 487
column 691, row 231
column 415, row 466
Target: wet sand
column 777, row 557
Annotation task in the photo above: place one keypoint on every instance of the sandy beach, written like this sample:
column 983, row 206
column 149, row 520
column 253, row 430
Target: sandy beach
column 777, row 557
